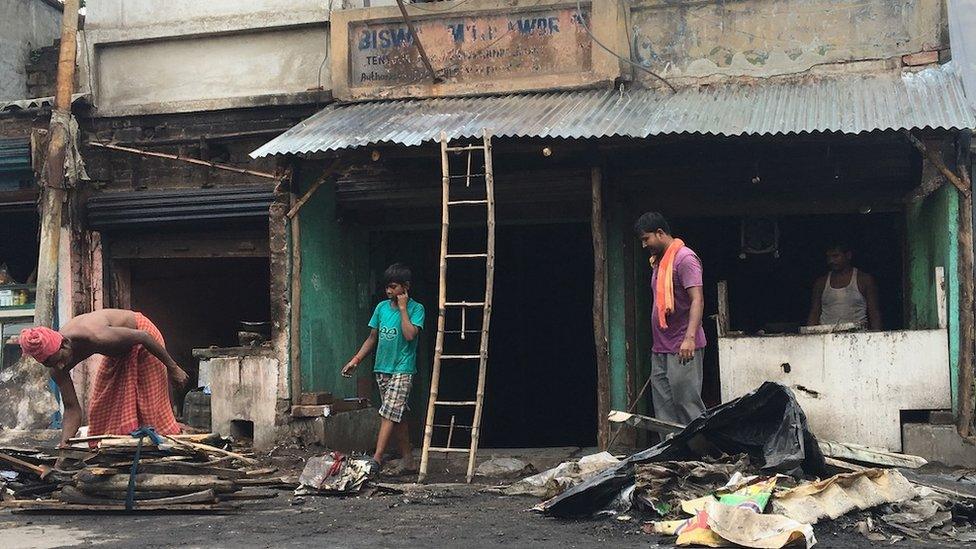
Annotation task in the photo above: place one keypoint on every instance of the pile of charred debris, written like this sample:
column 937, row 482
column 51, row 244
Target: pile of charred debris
column 142, row 472
column 749, row 473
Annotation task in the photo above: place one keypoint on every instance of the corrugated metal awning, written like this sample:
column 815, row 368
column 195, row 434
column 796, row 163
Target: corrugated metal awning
column 931, row 98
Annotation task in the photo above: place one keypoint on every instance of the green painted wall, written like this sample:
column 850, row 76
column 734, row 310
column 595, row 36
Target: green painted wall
column 933, row 241
column 642, row 320
column 334, row 294
column 617, row 269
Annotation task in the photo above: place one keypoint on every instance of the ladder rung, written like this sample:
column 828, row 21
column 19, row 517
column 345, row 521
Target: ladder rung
column 455, row 426
column 466, row 202
column 465, row 176
column 459, row 357
column 465, row 304
column 467, row 148
column 456, row 402
column 450, row 450
column 460, row 331
column 464, row 256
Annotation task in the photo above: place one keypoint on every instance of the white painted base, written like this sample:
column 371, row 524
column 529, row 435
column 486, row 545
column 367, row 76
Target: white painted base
column 851, row 386
column 244, row 388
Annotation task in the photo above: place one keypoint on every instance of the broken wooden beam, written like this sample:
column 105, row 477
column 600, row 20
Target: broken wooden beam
column 206, row 448
column 873, row 456
column 150, row 482
column 645, row 422
column 71, row 494
column 41, row 471
column 315, row 399
column 320, row 410
column 54, row 507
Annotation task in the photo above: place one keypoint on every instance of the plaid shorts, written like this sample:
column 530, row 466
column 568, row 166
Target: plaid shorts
column 394, row 392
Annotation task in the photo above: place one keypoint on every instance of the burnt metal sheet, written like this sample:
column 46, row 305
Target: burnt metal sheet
column 15, row 164
column 35, row 103
column 116, row 210
column 850, row 104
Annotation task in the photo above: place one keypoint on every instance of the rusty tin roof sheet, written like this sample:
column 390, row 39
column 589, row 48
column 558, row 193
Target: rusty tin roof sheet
column 850, row 104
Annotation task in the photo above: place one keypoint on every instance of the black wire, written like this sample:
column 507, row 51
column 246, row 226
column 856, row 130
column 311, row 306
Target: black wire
column 579, row 13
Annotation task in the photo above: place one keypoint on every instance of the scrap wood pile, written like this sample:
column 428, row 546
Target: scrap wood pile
column 171, row 473
column 749, row 473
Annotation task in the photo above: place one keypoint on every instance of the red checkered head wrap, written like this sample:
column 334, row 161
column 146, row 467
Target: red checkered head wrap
column 40, row 342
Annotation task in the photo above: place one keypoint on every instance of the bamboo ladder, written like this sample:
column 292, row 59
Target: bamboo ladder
column 443, row 304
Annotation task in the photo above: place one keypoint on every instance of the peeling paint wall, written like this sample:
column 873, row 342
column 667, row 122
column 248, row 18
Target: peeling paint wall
column 26, row 399
column 334, row 298
column 763, row 38
column 147, row 57
column 933, row 241
column 851, row 386
column 245, row 388
column 25, row 25
column 475, row 47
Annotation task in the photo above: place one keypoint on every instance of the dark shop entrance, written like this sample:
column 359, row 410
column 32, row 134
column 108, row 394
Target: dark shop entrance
column 541, row 383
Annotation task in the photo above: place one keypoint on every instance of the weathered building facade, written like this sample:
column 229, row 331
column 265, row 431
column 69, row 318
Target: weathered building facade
column 765, row 129
column 25, row 26
column 28, row 33
column 188, row 243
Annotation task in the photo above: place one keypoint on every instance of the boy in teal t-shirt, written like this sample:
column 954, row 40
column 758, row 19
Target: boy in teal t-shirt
column 394, row 327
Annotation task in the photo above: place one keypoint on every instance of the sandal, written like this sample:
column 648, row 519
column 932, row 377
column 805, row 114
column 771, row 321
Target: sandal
column 373, row 467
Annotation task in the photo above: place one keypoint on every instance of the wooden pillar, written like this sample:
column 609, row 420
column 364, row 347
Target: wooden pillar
column 598, row 229
column 967, row 310
column 53, row 193
column 295, row 298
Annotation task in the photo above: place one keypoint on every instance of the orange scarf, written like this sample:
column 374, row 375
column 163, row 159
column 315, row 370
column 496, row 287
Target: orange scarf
column 664, row 289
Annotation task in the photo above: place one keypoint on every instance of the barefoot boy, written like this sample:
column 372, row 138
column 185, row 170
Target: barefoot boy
column 394, row 328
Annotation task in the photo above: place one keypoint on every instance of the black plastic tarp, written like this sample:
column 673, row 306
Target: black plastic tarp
column 767, row 424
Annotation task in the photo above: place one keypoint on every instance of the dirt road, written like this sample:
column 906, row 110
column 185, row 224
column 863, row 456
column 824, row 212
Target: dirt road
column 458, row 517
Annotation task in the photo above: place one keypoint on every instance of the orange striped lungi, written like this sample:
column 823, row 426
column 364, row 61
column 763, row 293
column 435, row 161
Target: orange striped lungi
column 132, row 391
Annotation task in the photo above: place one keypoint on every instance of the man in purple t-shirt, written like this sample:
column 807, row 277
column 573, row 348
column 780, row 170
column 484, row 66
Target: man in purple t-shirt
column 676, row 358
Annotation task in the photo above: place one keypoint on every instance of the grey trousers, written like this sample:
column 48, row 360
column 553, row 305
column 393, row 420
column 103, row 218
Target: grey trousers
column 676, row 387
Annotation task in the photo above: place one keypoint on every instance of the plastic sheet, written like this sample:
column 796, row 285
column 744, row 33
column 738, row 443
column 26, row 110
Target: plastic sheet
column 767, row 424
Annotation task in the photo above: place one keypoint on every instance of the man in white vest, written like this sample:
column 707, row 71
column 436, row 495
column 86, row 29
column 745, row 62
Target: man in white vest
column 845, row 295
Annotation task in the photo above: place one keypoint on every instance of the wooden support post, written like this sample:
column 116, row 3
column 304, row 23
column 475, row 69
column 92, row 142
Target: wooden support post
column 722, row 321
column 295, row 296
column 599, row 233
column 967, row 310
column 121, row 284
column 53, row 193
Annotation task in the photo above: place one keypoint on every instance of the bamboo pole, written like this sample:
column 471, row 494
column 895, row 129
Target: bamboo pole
column 936, row 159
column 416, row 41
column 53, row 193
column 441, row 300
column 598, row 229
column 489, row 292
column 315, row 187
column 197, row 161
